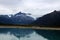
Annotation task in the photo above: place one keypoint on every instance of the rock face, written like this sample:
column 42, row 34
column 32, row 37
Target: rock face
column 19, row 18
column 51, row 19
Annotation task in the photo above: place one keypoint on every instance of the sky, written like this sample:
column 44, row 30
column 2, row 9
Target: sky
column 37, row 8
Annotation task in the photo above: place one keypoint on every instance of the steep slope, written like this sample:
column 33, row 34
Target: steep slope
column 22, row 18
column 51, row 19
column 19, row 18
column 5, row 19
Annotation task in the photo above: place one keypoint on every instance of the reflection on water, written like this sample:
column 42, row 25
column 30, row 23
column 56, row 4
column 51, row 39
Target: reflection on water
column 16, row 31
column 28, row 34
column 32, row 36
column 49, row 34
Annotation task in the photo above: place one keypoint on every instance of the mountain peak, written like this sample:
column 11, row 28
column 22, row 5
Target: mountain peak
column 20, row 13
column 50, row 19
column 19, row 19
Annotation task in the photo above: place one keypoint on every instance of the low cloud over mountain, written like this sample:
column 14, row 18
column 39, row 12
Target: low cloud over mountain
column 19, row 18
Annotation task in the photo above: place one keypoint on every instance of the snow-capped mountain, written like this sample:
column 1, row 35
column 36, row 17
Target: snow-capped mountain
column 19, row 18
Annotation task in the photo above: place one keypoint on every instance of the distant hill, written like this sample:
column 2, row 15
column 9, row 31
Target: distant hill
column 19, row 18
column 50, row 19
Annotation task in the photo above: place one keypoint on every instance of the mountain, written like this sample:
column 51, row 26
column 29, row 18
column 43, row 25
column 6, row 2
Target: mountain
column 5, row 19
column 19, row 18
column 50, row 19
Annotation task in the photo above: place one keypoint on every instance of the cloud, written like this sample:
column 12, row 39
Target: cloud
column 4, row 10
column 50, row 1
column 37, row 8
column 9, row 2
column 41, row 7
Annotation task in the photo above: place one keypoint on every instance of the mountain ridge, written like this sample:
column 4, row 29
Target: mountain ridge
column 19, row 18
column 50, row 19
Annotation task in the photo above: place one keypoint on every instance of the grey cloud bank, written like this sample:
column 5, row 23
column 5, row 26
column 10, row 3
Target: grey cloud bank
column 37, row 8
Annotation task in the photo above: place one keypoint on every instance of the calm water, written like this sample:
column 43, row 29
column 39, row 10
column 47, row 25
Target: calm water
column 28, row 34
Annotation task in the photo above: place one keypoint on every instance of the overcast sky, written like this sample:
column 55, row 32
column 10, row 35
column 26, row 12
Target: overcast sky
column 37, row 8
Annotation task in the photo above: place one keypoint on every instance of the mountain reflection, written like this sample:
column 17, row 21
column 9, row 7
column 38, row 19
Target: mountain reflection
column 28, row 34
